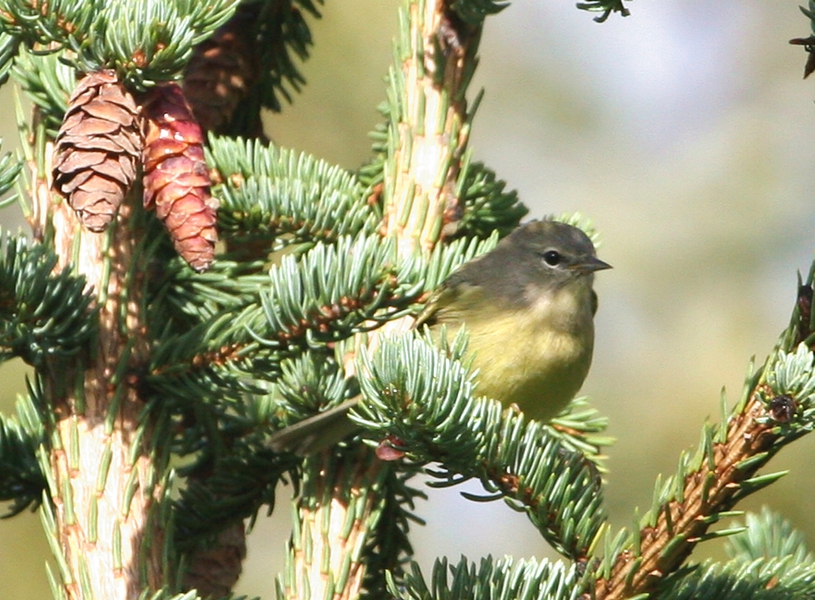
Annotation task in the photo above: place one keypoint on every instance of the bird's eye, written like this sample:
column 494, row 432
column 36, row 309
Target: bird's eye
column 552, row 258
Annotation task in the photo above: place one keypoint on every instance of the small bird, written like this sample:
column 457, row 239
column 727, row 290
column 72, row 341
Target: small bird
column 528, row 306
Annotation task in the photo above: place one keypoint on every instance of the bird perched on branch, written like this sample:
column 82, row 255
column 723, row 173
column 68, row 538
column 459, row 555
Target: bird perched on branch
column 528, row 307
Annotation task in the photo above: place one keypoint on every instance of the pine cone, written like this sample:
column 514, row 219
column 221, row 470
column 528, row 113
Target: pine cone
column 98, row 148
column 223, row 69
column 176, row 179
column 214, row 569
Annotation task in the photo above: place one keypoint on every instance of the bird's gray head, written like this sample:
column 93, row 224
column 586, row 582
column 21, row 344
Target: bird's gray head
column 555, row 250
column 540, row 256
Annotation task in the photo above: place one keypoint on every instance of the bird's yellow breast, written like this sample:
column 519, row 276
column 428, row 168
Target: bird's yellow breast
column 535, row 357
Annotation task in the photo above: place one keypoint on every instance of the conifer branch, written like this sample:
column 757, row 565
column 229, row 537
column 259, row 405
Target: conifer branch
column 308, row 383
column 44, row 312
column 435, row 59
column 48, row 82
column 808, row 42
column 605, row 8
column 769, row 561
column 485, row 205
column 778, row 407
column 329, row 294
column 389, row 546
column 181, row 298
column 760, row 579
column 707, row 486
column 10, row 169
column 423, row 401
column 340, row 504
column 768, row 535
column 51, row 25
column 273, row 198
column 226, row 487
column 22, row 481
column 147, row 43
column 168, row 594
column 8, row 50
column 103, row 465
column 581, row 428
column 502, row 579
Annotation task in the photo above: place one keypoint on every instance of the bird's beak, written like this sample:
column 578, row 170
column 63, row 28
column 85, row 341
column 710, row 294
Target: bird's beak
column 591, row 264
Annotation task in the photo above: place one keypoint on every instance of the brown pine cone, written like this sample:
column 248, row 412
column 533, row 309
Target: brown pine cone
column 214, row 569
column 176, row 179
column 223, row 69
column 98, row 148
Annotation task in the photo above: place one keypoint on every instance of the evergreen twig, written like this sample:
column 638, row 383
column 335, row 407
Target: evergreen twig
column 502, row 579
column 777, row 408
column 22, row 481
column 605, row 7
column 423, row 402
column 42, row 313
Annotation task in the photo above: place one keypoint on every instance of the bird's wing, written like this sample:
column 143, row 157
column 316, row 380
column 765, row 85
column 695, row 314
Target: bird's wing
column 447, row 303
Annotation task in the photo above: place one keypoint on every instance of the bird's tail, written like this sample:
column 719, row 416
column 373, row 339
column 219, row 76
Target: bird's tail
column 316, row 433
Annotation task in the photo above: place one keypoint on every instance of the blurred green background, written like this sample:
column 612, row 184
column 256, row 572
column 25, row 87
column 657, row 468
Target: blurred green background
column 683, row 132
